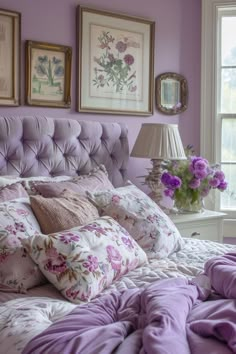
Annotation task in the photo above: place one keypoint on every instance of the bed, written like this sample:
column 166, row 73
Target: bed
column 50, row 148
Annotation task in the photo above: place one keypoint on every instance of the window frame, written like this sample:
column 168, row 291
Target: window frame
column 210, row 127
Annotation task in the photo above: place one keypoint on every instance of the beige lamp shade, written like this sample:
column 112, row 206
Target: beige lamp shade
column 159, row 141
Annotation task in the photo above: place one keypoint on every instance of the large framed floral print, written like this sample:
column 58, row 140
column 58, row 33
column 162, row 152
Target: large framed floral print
column 48, row 74
column 115, row 63
column 10, row 34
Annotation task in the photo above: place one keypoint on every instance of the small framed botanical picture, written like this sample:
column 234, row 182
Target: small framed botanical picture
column 48, row 74
column 115, row 62
column 10, row 36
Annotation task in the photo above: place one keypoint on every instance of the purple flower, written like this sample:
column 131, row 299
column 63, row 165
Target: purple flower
column 128, row 59
column 121, row 46
column 214, row 182
column 91, row 264
column 220, row 175
column 169, row 193
column 175, row 182
column 200, row 164
column 194, row 183
column 165, row 178
column 200, row 174
column 222, row 186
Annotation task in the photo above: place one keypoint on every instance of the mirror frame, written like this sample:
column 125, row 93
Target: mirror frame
column 183, row 93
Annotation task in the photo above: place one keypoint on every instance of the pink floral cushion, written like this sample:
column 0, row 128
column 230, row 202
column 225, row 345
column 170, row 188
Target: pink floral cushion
column 12, row 192
column 17, row 271
column 96, row 180
column 142, row 218
column 83, row 261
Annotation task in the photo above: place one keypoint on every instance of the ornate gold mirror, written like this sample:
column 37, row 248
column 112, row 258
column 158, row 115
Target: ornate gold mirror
column 171, row 93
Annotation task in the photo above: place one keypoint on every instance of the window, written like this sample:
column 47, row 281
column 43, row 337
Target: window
column 218, row 98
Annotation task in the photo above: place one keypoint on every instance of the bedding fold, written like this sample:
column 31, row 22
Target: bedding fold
column 168, row 317
column 155, row 316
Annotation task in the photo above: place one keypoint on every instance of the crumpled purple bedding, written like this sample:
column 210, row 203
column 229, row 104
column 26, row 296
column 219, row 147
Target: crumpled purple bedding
column 169, row 316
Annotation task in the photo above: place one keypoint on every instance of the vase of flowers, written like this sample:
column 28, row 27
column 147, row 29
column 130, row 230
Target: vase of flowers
column 189, row 181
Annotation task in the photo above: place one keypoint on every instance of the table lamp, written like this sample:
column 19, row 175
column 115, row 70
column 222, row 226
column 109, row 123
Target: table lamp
column 159, row 142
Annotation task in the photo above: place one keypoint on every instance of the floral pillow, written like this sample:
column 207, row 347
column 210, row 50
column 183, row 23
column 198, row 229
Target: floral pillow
column 83, row 261
column 142, row 218
column 17, row 271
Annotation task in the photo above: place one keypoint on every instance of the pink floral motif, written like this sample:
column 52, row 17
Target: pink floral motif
column 3, row 256
column 91, row 264
column 72, row 294
column 56, row 266
column 11, row 229
column 127, row 241
column 114, row 257
column 69, row 237
column 51, row 252
column 94, row 227
column 20, row 226
column 22, row 212
column 116, row 198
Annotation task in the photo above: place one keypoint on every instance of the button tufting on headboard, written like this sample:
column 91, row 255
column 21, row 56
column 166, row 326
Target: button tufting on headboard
column 41, row 146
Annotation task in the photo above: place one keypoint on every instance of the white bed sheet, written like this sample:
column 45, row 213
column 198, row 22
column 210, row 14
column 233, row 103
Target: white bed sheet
column 24, row 316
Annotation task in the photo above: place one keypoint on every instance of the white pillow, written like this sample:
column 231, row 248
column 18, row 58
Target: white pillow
column 141, row 217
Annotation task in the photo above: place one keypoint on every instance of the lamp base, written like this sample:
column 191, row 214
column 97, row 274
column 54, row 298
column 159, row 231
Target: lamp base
column 153, row 180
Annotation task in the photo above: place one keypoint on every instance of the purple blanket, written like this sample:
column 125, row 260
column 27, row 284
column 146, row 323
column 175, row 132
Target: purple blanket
column 171, row 316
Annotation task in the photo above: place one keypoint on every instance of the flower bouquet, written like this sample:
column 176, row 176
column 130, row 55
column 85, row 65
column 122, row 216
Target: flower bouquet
column 188, row 181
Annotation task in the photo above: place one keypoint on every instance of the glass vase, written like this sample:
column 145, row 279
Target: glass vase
column 187, row 206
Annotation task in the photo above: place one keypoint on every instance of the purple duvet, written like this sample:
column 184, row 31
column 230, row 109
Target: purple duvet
column 171, row 316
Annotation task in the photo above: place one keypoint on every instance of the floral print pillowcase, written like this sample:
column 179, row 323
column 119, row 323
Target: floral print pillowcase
column 17, row 270
column 83, row 261
column 142, row 218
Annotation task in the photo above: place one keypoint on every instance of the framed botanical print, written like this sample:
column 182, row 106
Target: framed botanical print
column 48, row 74
column 115, row 61
column 10, row 36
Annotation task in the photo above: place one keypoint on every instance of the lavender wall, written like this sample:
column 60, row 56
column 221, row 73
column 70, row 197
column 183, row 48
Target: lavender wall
column 177, row 49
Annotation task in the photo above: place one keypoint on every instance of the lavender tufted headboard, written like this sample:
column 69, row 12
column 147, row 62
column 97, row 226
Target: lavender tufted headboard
column 40, row 146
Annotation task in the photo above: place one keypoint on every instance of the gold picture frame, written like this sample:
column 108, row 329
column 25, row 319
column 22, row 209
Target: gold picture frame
column 10, row 44
column 48, row 74
column 171, row 93
column 115, row 61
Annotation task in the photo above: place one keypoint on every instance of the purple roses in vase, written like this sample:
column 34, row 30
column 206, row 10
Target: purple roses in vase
column 188, row 181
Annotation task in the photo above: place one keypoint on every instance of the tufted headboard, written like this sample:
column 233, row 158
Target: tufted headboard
column 41, row 146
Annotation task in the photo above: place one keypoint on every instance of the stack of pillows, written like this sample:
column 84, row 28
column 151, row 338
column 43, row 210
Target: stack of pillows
column 79, row 233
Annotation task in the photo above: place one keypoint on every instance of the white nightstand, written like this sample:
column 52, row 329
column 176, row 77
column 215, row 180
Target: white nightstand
column 207, row 225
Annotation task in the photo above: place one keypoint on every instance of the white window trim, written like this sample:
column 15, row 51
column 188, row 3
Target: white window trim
column 208, row 125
